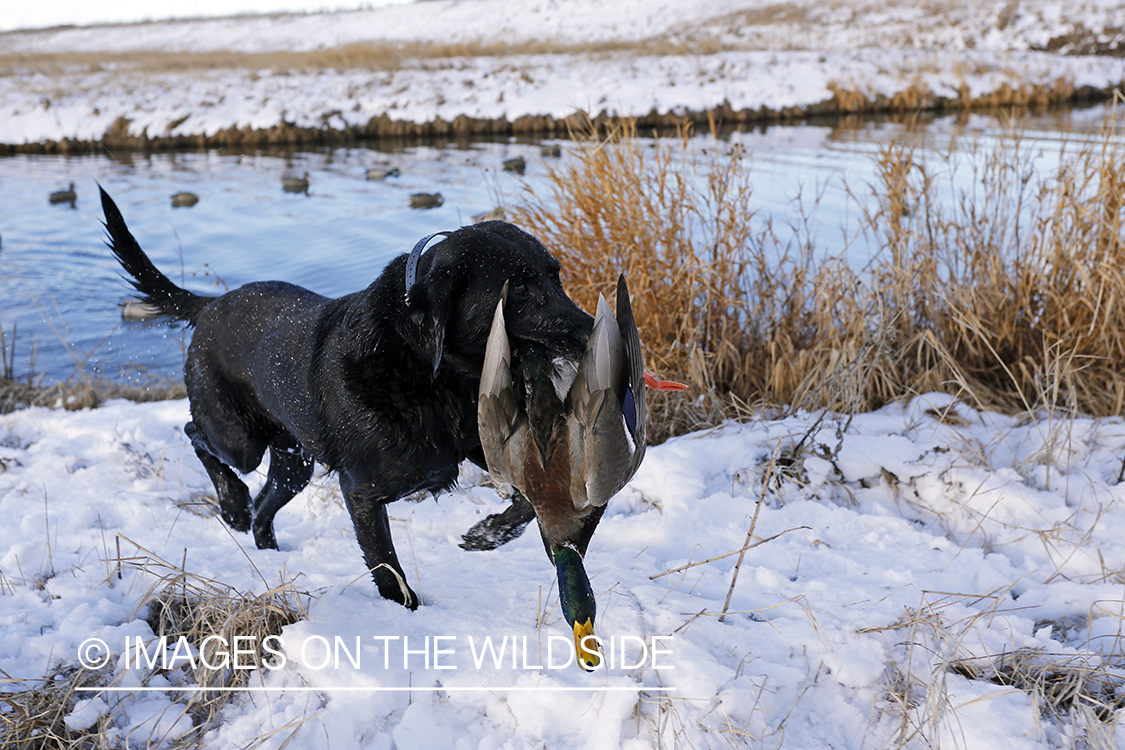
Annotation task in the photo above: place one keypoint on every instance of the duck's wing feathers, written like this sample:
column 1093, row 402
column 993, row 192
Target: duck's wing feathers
column 637, row 417
column 500, row 414
column 608, row 408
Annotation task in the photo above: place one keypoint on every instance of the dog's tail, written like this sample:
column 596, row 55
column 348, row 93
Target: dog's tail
column 158, row 289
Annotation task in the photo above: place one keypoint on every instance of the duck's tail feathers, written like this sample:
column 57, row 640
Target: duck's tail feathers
column 156, row 288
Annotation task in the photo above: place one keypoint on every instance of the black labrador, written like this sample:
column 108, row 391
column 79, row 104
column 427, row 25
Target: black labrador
column 379, row 386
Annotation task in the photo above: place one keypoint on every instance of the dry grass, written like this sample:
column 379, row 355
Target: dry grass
column 620, row 207
column 1013, row 296
column 178, row 604
column 34, row 717
column 82, row 393
column 373, row 56
column 784, row 25
column 929, row 644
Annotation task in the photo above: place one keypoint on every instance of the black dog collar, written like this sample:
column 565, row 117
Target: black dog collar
column 412, row 261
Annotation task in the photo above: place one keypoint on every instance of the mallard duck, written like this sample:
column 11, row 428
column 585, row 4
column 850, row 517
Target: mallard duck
column 64, row 196
column 568, row 437
column 553, row 151
column 379, row 173
column 516, row 164
column 184, row 200
column 296, row 184
column 426, row 200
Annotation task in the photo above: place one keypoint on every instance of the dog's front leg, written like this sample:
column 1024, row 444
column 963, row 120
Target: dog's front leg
column 368, row 508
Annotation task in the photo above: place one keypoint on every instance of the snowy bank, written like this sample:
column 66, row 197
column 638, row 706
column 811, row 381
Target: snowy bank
column 924, row 575
column 285, row 79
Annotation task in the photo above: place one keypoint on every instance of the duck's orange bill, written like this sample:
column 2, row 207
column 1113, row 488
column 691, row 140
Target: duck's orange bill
column 663, row 385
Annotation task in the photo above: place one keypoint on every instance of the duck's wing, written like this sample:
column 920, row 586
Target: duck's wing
column 500, row 416
column 634, row 408
column 607, row 424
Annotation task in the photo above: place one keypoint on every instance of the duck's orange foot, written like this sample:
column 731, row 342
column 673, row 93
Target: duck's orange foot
column 663, row 385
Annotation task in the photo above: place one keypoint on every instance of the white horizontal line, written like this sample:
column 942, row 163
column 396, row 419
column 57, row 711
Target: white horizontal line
column 347, row 689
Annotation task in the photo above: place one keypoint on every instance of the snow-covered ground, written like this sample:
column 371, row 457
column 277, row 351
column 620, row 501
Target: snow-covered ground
column 902, row 560
column 628, row 57
column 928, row 575
column 80, row 12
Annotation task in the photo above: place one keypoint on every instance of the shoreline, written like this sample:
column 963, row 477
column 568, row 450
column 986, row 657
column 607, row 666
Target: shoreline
column 461, row 69
column 914, row 100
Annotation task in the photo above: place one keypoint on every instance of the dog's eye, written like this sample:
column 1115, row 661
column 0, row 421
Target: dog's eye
column 519, row 291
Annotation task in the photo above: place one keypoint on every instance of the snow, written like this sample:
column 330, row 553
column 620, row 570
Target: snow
column 897, row 545
column 562, row 59
column 898, row 562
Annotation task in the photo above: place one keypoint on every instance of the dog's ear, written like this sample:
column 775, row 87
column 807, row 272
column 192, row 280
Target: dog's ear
column 423, row 322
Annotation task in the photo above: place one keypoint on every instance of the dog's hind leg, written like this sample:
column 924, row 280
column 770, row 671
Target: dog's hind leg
column 290, row 471
column 232, row 493
column 373, row 532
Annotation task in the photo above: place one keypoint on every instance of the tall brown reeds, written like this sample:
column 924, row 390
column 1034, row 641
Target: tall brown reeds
column 1009, row 293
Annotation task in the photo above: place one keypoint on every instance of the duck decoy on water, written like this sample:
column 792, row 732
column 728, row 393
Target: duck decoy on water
column 64, row 196
column 496, row 214
column 184, row 200
column 296, row 184
column 569, row 438
column 382, row 173
column 516, row 164
column 426, row 200
column 135, row 309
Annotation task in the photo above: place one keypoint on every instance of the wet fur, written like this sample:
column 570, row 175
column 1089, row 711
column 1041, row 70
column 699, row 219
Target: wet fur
column 379, row 386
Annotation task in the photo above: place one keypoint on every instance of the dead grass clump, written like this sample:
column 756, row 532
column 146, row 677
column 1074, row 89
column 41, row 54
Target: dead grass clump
column 940, row 638
column 722, row 303
column 84, row 393
column 34, row 717
column 180, row 605
column 213, row 617
column 1015, row 293
column 1009, row 293
column 1063, row 685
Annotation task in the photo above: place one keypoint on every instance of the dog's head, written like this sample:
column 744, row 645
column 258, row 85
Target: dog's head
column 451, row 302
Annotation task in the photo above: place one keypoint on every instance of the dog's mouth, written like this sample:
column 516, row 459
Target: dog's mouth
column 564, row 339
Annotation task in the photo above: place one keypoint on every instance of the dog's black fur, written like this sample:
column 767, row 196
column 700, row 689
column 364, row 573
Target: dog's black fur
column 379, row 386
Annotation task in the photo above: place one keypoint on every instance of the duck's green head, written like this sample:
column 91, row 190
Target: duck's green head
column 578, row 605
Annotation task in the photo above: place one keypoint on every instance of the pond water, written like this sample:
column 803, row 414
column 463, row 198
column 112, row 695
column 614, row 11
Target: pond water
column 60, row 287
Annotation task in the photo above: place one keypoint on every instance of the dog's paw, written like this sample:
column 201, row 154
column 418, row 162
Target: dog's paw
column 392, row 585
column 264, row 537
column 235, row 513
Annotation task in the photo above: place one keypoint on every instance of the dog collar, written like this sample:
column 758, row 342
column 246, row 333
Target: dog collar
column 412, row 261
